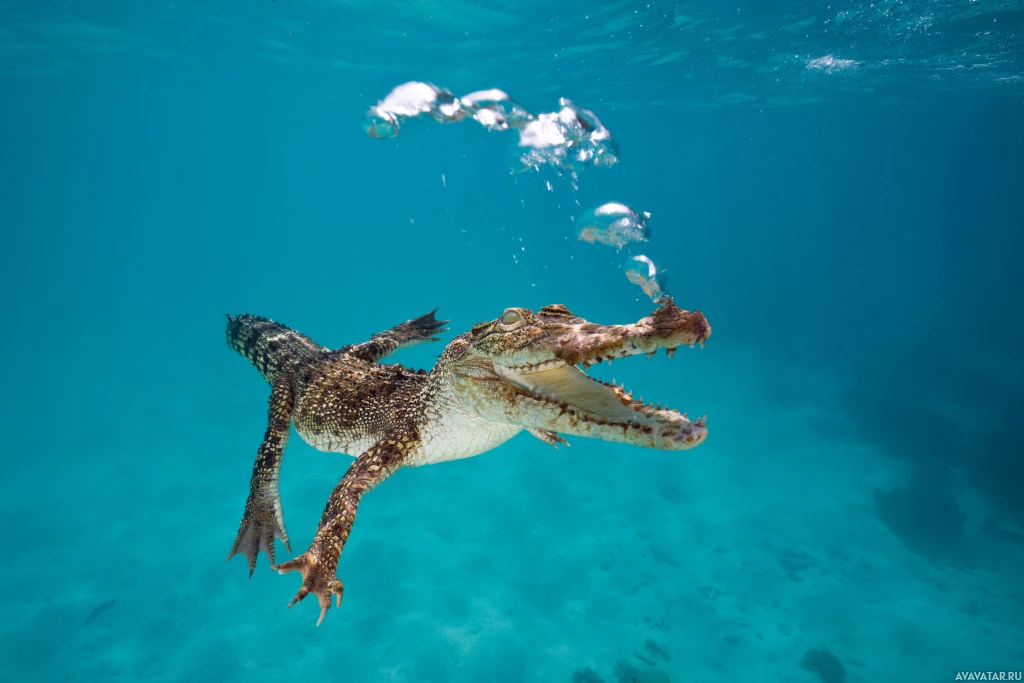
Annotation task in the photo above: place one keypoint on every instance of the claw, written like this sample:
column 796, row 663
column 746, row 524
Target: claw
column 314, row 581
column 302, row 593
column 547, row 436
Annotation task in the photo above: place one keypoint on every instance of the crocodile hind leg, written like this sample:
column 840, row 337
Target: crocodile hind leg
column 319, row 564
column 263, row 520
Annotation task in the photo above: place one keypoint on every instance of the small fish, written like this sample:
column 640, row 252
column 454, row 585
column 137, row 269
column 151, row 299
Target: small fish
column 98, row 611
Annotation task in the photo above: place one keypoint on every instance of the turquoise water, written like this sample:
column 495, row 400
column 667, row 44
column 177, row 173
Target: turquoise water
column 837, row 187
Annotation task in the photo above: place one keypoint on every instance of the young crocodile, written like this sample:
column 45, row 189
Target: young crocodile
column 514, row 373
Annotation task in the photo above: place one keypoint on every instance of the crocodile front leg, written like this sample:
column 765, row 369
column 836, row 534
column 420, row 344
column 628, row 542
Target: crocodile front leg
column 319, row 564
column 263, row 519
column 383, row 344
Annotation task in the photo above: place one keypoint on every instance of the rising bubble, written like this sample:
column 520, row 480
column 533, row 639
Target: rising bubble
column 411, row 100
column 613, row 224
column 495, row 110
column 643, row 273
column 570, row 139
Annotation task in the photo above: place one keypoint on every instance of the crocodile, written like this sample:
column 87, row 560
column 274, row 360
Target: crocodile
column 524, row 370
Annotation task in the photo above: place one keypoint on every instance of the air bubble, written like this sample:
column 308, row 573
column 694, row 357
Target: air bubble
column 495, row 110
column 569, row 139
column 408, row 101
column 613, row 224
column 643, row 273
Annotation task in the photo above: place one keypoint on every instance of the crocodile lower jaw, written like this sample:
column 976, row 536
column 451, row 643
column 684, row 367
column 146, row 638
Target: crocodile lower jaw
column 580, row 396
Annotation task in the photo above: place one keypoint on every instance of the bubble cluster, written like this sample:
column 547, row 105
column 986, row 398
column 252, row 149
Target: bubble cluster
column 643, row 273
column 830, row 64
column 495, row 110
column 613, row 224
column 617, row 225
column 567, row 139
column 408, row 101
column 570, row 138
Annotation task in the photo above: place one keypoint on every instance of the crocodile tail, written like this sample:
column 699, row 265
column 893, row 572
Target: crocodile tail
column 271, row 347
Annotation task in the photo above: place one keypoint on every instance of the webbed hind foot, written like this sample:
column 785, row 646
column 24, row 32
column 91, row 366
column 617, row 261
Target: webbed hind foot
column 263, row 520
column 257, row 532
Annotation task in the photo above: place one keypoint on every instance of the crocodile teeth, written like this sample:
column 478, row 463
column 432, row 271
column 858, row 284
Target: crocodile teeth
column 535, row 367
column 650, row 354
column 671, row 352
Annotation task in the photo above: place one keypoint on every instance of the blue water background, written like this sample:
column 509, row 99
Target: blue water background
column 853, row 234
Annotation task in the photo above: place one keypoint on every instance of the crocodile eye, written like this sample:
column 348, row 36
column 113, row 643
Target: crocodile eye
column 511, row 317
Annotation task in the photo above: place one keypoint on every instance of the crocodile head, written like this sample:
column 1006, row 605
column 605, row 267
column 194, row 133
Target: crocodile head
column 529, row 369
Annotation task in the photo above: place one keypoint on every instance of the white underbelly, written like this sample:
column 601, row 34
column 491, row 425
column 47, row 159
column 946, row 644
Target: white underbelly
column 331, row 444
column 458, row 436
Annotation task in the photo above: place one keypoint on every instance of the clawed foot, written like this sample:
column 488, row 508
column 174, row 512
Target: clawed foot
column 317, row 578
column 257, row 532
column 547, row 436
column 421, row 329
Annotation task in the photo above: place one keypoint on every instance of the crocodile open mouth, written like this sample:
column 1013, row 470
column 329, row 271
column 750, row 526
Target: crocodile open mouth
column 583, row 399
column 530, row 369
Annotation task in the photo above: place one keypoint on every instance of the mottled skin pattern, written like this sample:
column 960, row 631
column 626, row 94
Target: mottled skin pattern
column 518, row 372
